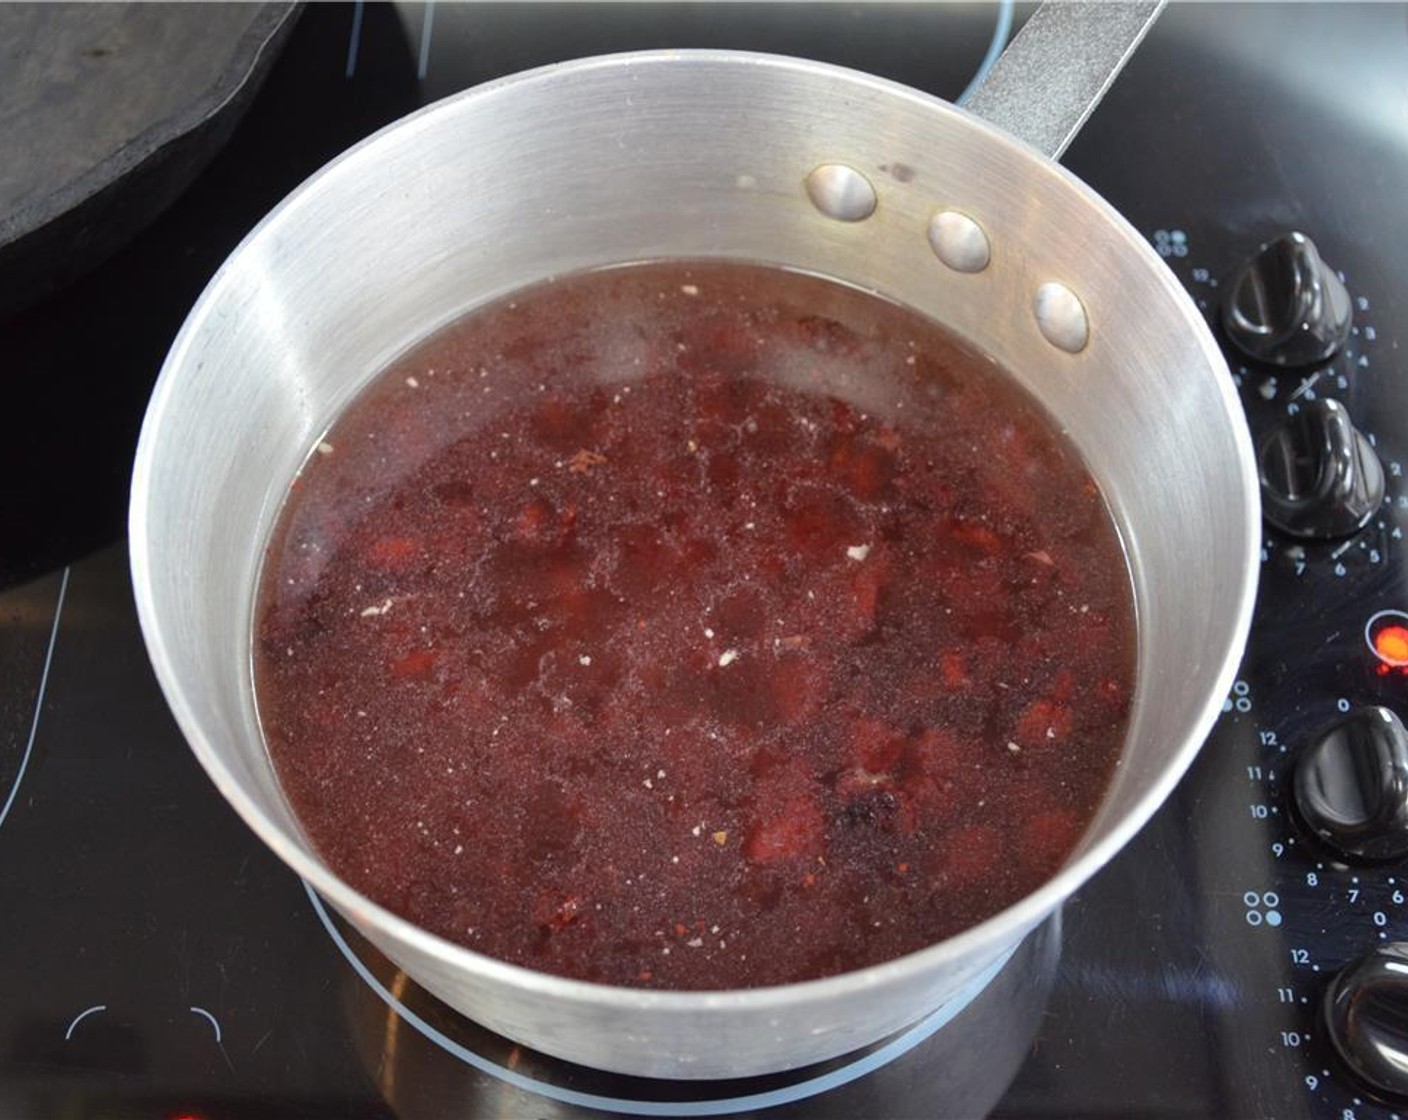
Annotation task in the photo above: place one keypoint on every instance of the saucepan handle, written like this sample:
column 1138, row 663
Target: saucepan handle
column 1053, row 74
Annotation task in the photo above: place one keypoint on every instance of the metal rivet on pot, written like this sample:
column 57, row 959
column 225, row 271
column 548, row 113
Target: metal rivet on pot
column 959, row 241
column 841, row 192
column 1061, row 317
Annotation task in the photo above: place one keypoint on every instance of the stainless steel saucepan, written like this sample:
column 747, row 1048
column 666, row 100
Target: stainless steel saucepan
column 710, row 154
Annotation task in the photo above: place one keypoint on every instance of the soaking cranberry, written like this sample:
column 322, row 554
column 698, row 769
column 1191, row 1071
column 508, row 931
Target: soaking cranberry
column 694, row 626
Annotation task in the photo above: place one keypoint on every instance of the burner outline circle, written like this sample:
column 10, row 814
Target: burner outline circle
column 38, row 700
column 895, row 1048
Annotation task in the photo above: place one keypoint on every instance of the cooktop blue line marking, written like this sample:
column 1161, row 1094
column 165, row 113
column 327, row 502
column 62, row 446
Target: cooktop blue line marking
column 38, row 701
column 214, row 1022
column 355, row 42
column 427, row 25
column 97, row 1007
column 895, row 1048
column 1000, row 34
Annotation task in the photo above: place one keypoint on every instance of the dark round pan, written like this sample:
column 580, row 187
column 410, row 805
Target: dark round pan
column 107, row 112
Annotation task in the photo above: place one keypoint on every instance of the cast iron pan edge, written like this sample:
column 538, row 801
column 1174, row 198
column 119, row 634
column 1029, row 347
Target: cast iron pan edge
column 52, row 240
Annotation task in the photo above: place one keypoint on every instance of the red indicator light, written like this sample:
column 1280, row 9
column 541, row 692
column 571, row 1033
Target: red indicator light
column 1391, row 644
column 1386, row 635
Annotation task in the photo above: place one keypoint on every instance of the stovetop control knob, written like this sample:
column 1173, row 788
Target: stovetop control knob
column 1351, row 789
column 1366, row 1011
column 1320, row 477
column 1286, row 306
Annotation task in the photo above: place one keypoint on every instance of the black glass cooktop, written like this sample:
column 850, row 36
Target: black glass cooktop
column 157, row 961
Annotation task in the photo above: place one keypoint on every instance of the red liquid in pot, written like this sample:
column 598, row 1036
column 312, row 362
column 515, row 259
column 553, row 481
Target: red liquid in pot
column 694, row 626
